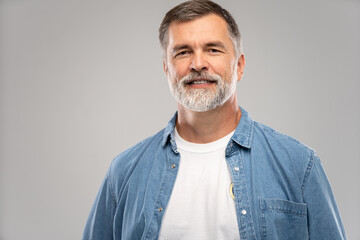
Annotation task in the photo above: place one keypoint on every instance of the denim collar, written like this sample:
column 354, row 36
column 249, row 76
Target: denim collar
column 243, row 134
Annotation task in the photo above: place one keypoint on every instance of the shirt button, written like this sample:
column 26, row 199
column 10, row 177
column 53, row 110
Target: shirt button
column 236, row 169
column 243, row 212
column 173, row 166
column 160, row 209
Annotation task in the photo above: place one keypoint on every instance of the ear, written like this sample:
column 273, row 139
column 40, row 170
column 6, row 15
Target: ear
column 240, row 66
column 165, row 67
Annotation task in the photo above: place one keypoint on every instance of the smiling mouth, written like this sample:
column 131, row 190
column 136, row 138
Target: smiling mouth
column 200, row 81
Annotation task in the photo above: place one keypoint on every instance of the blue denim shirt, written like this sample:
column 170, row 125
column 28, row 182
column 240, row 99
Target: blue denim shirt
column 280, row 188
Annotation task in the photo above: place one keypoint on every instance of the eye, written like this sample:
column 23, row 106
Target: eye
column 214, row 50
column 182, row 53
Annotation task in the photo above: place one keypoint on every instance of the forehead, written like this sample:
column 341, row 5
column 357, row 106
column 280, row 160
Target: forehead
column 207, row 28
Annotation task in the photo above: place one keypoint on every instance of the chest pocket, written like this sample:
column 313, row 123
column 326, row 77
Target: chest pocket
column 282, row 219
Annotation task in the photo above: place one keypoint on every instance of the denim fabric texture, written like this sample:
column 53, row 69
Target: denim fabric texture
column 281, row 190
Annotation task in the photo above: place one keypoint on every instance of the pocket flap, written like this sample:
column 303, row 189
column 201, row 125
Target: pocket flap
column 281, row 205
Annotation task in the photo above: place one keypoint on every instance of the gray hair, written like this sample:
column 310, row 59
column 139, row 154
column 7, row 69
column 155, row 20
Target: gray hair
column 193, row 9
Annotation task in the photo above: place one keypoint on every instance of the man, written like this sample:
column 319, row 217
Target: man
column 213, row 172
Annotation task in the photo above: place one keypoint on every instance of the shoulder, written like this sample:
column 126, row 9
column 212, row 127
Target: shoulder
column 130, row 155
column 283, row 149
column 280, row 140
column 125, row 163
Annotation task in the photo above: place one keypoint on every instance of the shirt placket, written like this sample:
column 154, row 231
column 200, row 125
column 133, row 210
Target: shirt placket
column 242, row 204
column 166, row 187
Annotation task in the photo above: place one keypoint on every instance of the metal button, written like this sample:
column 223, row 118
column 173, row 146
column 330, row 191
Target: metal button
column 160, row 209
column 243, row 212
column 236, row 169
column 173, row 166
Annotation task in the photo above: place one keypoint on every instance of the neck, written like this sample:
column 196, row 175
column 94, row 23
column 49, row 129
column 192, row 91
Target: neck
column 209, row 126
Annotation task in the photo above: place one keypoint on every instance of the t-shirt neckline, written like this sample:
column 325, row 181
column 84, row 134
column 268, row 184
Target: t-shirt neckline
column 182, row 144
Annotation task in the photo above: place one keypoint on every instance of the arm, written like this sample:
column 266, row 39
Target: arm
column 324, row 220
column 99, row 225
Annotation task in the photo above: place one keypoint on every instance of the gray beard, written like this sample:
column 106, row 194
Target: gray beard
column 203, row 99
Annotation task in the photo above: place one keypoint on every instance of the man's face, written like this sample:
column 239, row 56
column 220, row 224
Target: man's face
column 201, row 66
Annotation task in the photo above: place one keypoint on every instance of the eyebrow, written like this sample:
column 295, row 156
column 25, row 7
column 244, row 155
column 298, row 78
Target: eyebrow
column 180, row 47
column 209, row 44
column 216, row 44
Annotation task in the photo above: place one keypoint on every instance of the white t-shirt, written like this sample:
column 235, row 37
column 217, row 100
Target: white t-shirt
column 201, row 205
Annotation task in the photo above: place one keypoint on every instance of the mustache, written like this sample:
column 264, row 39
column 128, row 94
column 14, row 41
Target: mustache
column 196, row 76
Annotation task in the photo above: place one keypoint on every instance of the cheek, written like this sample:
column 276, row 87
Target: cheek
column 171, row 71
column 178, row 69
column 222, row 68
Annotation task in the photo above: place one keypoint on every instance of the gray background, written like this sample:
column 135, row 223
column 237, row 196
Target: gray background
column 80, row 81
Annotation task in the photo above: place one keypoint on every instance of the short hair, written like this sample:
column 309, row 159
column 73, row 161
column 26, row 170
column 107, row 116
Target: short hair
column 193, row 9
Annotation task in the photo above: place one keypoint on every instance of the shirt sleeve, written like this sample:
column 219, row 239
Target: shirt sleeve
column 323, row 215
column 99, row 225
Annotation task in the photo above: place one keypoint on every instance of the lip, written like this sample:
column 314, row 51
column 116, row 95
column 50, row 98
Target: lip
column 200, row 83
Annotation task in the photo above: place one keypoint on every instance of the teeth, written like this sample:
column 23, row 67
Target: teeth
column 200, row 82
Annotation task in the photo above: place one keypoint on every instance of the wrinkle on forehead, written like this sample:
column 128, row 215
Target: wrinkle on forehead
column 199, row 32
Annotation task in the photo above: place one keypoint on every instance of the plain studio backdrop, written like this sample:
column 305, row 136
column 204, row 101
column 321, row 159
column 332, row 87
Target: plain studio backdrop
column 81, row 81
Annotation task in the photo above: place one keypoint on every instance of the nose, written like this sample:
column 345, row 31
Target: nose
column 199, row 63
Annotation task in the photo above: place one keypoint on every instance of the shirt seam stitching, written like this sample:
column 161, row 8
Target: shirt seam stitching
column 307, row 172
column 112, row 187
